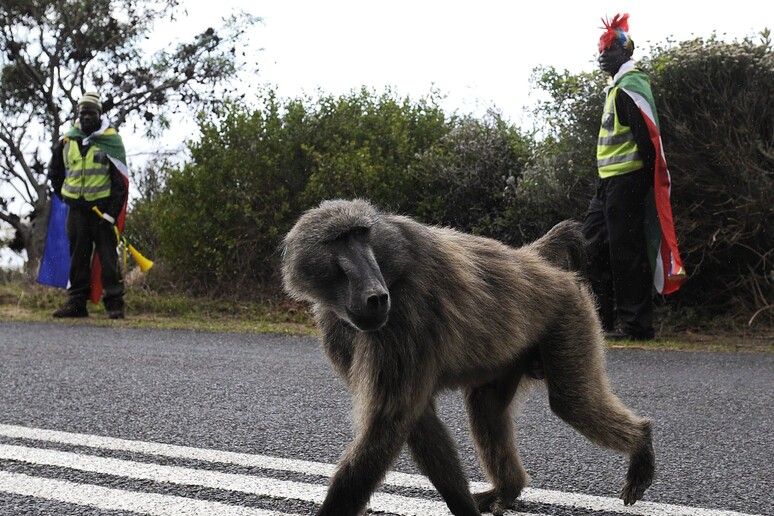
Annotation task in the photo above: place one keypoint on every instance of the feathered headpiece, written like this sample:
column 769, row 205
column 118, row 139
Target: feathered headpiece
column 616, row 30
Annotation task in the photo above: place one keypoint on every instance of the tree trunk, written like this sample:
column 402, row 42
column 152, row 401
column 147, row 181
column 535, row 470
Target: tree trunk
column 34, row 235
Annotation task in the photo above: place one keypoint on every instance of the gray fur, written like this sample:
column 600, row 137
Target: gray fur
column 406, row 310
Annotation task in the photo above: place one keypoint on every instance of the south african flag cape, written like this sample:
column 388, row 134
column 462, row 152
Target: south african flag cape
column 668, row 271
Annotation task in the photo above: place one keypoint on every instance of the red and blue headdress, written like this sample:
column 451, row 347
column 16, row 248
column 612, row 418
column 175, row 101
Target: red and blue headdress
column 616, row 31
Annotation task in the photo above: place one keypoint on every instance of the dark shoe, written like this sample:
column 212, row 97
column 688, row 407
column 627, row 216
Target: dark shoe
column 116, row 314
column 71, row 310
column 622, row 335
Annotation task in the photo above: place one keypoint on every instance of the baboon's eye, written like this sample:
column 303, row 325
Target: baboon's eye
column 360, row 232
column 339, row 271
column 356, row 232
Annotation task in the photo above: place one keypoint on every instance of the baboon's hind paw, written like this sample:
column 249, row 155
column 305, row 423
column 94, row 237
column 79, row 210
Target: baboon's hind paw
column 493, row 501
column 631, row 493
column 637, row 481
column 635, row 486
column 640, row 475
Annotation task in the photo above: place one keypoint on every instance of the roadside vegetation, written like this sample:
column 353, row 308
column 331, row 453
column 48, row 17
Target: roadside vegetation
column 22, row 301
column 146, row 308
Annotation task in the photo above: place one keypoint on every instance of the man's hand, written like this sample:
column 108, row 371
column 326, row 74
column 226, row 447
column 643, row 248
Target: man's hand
column 110, row 220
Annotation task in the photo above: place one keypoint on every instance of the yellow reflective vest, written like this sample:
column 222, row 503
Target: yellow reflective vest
column 616, row 149
column 86, row 177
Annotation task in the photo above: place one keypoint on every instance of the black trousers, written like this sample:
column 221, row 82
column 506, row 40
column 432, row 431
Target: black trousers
column 619, row 270
column 88, row 233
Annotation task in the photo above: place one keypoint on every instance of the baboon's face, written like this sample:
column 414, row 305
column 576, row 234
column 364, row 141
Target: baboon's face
column 364, row 300
column 337, row 270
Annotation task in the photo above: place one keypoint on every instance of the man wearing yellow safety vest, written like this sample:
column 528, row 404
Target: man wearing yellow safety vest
column 87, row 170
column 628, row 225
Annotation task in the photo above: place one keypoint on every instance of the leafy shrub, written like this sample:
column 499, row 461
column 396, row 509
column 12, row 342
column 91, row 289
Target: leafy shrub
column 558, row 179
column 220, row 216
column 363, row 145
column 463, row 178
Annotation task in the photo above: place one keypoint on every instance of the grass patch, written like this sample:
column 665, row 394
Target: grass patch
column 146, row 309
column 22, row 301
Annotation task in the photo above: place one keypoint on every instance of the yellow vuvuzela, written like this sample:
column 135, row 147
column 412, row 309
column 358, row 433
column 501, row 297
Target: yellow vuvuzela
column 142, row 262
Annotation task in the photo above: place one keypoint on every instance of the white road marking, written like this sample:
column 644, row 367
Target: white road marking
column 261, row 486
column 295, row 490
column 118, row 499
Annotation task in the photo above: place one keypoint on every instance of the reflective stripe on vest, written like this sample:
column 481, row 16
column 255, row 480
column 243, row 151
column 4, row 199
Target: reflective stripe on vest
column 88, row 176
column 616, row 149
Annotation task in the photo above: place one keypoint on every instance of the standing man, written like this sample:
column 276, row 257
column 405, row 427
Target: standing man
column 629, row 225
column 87, row 170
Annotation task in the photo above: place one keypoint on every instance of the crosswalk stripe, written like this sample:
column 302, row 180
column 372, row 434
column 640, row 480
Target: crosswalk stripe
column 170, row 450
column 539, row 496
column 281, row 489
column 118, row 499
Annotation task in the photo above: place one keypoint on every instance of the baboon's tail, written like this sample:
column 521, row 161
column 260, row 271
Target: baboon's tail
column 564, row 246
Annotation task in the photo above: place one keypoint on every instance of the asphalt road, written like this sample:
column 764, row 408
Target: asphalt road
column 275, row 396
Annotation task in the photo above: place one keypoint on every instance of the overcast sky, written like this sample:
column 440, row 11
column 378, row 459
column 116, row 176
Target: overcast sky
column 480, row 53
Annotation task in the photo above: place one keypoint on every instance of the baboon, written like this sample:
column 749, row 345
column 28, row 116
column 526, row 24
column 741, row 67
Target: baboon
column 406, row 310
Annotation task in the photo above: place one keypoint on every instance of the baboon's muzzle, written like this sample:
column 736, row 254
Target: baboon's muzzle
column 368, row 306
column 372, row 312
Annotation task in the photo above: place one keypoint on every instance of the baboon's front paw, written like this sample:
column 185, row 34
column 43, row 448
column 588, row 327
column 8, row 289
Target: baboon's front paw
column 493, row 501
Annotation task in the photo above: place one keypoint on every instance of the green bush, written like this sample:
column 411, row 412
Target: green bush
column 363, row 145
column 463, row 179
column 558, row 178
column 220, row 216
